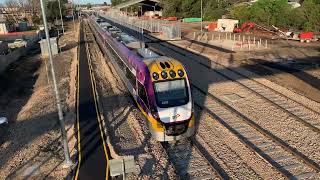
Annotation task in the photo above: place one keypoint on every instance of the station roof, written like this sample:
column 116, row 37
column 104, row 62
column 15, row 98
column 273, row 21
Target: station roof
column 132, row 2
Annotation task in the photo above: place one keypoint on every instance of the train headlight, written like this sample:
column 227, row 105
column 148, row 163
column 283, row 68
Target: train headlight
column 164, row 75
column 172, row 74
column 180, row 73
column 155, row 76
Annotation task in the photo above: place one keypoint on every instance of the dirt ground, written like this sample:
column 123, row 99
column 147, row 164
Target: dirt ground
column 30, row 145
column 291, row 64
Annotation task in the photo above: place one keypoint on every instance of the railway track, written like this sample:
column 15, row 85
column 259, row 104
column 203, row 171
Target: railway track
column 190, row 162
column 303, row 114
column 300, row 112
column 285, row 159
column 306, row 115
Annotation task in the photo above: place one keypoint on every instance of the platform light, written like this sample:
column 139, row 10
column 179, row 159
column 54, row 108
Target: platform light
column 164, row 75
column 68, row 161
column 180, row 73
column 172, row 73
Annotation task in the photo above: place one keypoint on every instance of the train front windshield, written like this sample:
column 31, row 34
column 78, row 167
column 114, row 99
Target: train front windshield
column 171, row 93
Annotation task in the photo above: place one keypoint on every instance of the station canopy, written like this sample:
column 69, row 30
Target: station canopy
column 147, row 3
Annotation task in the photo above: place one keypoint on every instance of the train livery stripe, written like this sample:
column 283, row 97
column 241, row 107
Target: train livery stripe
column 154, row 123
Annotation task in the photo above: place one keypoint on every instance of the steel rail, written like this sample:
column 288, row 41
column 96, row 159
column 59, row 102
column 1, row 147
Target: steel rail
column 216, row 169
column 258, row 128
column 251, row 123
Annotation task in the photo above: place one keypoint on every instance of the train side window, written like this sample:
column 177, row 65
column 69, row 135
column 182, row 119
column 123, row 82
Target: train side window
column 142, row 94
column 131, row 78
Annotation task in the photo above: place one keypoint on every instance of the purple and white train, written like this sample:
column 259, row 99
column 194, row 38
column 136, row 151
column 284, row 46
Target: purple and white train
column 159, row 84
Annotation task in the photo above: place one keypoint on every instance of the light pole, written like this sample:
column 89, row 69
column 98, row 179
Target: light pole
column 201, row 17
column 68, row 161
column 74, row 25
column 61, row 16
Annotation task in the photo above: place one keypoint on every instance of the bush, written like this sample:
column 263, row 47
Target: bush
column 280, row 14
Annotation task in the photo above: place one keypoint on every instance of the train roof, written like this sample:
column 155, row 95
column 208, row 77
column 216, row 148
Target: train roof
column 147, row 54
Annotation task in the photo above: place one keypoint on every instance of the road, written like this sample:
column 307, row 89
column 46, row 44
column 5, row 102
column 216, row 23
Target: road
column 92, row 151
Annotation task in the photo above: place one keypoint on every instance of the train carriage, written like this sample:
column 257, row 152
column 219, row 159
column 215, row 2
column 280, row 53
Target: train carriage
column 159, row 84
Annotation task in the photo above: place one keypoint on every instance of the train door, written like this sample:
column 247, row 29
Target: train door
column 142, row 94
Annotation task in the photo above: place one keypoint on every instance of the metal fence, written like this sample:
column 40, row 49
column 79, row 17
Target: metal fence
column 231, row 41
column 170, row 30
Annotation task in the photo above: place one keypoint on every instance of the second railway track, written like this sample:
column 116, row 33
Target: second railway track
column 190, row 162
column 287, row 160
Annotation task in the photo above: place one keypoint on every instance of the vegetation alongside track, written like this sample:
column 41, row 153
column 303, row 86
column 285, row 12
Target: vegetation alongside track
column 263, row 12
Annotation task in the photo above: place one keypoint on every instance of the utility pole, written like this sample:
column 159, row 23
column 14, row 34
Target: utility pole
column 61, row 16
column 74, row 25
column 201, row 17
column 68, row 161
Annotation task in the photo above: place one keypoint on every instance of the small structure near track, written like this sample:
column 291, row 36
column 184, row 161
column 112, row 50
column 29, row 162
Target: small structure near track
column 44, row 47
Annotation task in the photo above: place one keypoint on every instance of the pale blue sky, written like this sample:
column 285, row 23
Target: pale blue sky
column 80, row 1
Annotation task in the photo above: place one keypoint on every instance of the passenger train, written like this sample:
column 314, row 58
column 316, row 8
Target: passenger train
column 159, row 84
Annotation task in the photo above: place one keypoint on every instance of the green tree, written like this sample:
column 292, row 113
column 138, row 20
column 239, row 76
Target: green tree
column 240, row 12
column 214, row 9
column 53, row 11
column 89, row 5
column 172, row 7
column 190, row 8
column 311, row 9
column 116, row 2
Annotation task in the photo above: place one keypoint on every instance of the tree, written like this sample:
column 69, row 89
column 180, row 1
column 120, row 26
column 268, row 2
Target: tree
column 53, row 11
column 171, row 8
column 89, row 5
column 116, row 2
column 240, row 12
column 311, row 9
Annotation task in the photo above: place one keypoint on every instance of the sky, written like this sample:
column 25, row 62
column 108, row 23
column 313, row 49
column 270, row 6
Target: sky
column 80, row 1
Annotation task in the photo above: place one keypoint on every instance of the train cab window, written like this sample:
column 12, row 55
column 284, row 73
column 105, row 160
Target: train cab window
column 171, row 93
column 142, row 94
